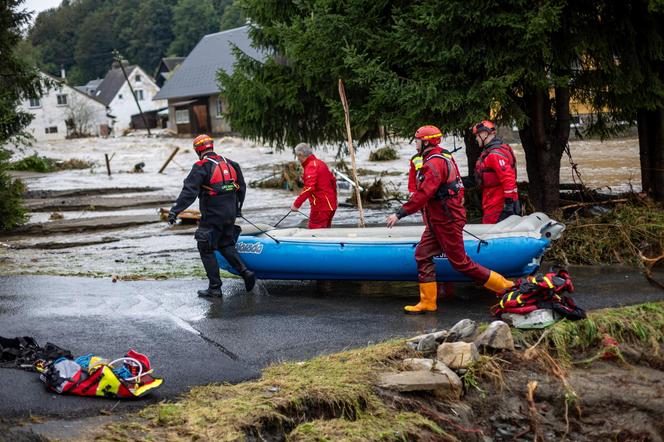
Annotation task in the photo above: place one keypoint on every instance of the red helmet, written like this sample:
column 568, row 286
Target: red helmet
column 430, row 134
column 484, row 126
column 203, row 143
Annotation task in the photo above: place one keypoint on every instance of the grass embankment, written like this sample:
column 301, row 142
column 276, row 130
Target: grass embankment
column 36, row 163
column 327, row 397
column 333, row 397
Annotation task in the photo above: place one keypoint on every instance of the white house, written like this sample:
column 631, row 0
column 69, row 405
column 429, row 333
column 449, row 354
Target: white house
column 64, row 111
column 114, row 92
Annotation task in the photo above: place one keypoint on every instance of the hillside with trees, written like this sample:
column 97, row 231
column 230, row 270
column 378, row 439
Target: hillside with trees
column 79, row 35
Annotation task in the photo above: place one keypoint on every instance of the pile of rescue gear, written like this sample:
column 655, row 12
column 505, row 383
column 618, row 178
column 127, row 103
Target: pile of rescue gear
column 90, row 375
column 127, row 377
column 540, row 291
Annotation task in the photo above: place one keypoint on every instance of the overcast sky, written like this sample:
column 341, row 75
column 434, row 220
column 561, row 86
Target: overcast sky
column 39, row 5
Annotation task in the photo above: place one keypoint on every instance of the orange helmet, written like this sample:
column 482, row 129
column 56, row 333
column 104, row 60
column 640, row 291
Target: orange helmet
column 430, row 134
column 203, row 143
column 484, row 126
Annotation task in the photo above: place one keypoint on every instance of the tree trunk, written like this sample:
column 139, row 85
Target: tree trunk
column 544, row 137
column 651, row 152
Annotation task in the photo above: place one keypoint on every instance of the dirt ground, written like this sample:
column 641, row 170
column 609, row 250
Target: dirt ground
column 608, row 400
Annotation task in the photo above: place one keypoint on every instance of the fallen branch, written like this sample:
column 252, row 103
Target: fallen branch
column 595, row 203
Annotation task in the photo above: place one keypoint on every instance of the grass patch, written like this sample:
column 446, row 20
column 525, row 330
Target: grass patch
column 640, row 324
column 327, row 398
column 36, row 163
column 386, row 153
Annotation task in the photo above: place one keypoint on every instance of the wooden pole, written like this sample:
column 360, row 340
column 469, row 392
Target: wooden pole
column 108, row 164
column 118, row 58
column 168, row 160
column 344, row 102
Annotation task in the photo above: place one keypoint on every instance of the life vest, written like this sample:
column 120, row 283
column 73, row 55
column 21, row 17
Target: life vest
column 417, row 161
column 450, row 188
column 223, row 179
column 538, row 292
column 503, row 150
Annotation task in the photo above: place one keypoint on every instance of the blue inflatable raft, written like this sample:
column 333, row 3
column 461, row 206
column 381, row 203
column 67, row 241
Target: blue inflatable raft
column 513, row 247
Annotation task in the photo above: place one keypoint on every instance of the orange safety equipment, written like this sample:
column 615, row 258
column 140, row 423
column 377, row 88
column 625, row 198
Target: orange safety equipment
column 202, row 143
column 484, row 126
column 430, row 134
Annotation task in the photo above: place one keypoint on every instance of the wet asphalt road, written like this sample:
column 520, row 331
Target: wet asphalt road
column 193, row 341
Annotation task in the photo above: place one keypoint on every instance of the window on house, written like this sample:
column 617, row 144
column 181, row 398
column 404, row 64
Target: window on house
column 62, row 99
column 51, row 130
column 139, row 94
column 120, row 97
column 138, row 78
column 220, row 107
column 35, row 102
column 182, row 116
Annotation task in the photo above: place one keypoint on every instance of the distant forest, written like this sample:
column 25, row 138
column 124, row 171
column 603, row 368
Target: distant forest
column 80, row 35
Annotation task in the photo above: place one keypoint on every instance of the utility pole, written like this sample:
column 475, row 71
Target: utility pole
column 118, row 58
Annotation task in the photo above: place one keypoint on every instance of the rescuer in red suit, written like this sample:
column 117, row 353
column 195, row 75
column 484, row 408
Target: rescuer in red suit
column 495, row 174
column 440, row 194
column 320, row 188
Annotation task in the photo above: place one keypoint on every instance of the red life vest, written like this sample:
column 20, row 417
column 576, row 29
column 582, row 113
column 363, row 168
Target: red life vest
column 223, row 179
column 453, row 186
column 486, row 176
column 540, row 291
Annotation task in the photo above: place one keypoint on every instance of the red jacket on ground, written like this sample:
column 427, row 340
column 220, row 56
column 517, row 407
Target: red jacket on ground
column 495, row 173
column 320, row 186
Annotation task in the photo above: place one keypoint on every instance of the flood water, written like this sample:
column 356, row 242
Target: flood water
column 156, row 249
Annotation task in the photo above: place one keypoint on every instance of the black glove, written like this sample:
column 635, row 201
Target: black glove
column 172, row 217
column 401, row 213
column 508, row 209
column 468, row 181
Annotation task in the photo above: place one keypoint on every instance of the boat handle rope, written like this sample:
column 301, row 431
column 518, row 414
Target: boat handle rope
column 260, row 230
column 481, row 241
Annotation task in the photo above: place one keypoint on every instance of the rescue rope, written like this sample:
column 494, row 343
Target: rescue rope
column 261, row 230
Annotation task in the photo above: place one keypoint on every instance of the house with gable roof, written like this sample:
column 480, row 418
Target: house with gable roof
column 195, row 102
column 114, row 92
column 65, row 112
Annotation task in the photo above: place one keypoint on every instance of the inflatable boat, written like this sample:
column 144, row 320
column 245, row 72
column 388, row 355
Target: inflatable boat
column 513, row 247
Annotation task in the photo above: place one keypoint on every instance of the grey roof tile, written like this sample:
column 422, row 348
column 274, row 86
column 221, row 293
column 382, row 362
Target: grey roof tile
column 197, row 75
column 112, row 83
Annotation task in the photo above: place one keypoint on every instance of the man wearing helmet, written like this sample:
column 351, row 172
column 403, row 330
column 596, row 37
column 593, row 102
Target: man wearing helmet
column 320, row 188
column 495, row 173
column 439, row 195
column 219, row 185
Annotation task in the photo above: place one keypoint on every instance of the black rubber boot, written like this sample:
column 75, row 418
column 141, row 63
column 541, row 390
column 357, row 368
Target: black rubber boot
column 210, row 264
column 233, row 257
column 210, row 292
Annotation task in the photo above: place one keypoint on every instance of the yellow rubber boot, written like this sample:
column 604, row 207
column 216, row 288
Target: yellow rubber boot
column 428, row 295
column 497, row 282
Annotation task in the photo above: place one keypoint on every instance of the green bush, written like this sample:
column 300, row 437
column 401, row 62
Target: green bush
column 36, row 163
column 12, row 213
column 33, row 163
